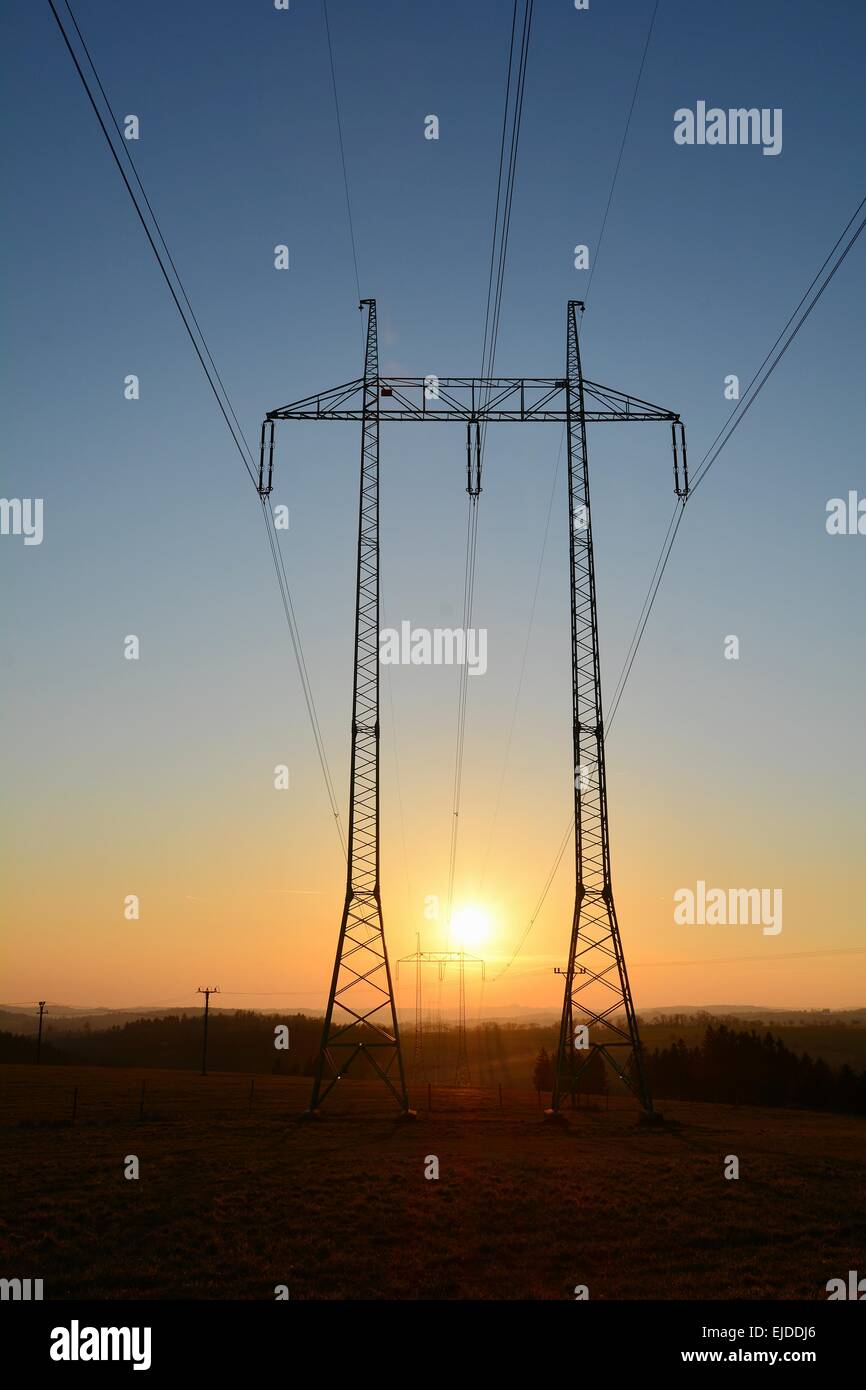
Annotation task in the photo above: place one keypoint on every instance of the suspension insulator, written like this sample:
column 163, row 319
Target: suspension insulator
column 681, row 466
column 266, row 459
column 473, row 467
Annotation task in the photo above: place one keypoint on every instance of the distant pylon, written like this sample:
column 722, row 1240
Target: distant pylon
column 418, row 1048
column 462, row 1074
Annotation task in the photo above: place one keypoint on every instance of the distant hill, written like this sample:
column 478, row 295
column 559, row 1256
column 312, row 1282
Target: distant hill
column 756, row 1011
column 68, row 1018
column 63, row 1018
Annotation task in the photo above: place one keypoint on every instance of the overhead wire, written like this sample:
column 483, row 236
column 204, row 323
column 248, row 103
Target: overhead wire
column 597, row 251
column 492, row 323
column 748, row 399
column 523, row 663
column 291, row 619
column 705, row 464
column 501, row 228
column 499, row 186
column 240, row 443
column 206, row 360
column 567, row 835
column 388, row 681
column 743, row 406
column 342, row 149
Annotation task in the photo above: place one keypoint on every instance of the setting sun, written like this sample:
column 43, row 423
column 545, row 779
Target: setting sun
column 471, row 927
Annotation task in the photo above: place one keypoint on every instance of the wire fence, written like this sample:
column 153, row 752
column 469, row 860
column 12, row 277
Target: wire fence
column 57, row 1097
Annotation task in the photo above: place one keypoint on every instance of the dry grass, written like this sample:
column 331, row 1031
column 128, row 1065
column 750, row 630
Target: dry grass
column 231, row 1203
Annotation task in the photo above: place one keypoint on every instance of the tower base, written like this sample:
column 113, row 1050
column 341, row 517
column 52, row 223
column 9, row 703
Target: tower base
column 651, row 1117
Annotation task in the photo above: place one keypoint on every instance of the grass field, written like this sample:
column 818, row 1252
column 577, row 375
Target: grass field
column 236, row 1197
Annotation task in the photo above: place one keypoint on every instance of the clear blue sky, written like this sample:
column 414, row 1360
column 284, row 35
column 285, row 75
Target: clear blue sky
column 740, row 773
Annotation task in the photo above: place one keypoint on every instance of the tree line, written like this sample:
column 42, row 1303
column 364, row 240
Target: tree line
column 744, row 1068
column 730, row 1065
column 735, row 1067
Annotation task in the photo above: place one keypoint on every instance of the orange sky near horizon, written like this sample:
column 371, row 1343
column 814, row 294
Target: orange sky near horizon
column 246, row 892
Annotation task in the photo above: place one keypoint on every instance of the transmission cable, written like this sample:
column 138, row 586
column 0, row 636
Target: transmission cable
column 213, row 377
column 532, row 608
column 621, row 149
column 741, row 409
column 703, row 468
column 491, row 330
column 342, row 150
column 491, row 337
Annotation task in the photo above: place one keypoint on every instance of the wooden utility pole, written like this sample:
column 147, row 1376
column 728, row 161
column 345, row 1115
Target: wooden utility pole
column 207, row 991
column 39, row 1039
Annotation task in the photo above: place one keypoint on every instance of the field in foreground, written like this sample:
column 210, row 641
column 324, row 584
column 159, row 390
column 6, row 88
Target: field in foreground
column 236, row 1195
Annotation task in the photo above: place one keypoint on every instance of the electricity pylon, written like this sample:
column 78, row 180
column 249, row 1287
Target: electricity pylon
column 462, row 1076
column 597, row 988
column 361, row 1016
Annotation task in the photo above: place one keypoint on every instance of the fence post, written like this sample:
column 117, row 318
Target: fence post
column 252, row 1093
column 74, row 1104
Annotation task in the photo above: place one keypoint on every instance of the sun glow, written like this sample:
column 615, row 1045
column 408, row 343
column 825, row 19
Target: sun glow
column 471, row 927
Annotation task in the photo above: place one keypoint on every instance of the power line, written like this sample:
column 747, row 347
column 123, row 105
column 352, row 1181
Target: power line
column 213, row 377
column 388, row 681
column 342, row 150
column 390, row 690
column 498, row 187
column 541, row 901
column 292, row 622
column 243, row 450
column 517, row 118
column 491, row 333
column 567, row 835
column 125, row 147
column 643, row 619
column 621, row 149
column 530, row 624
column 703, row 468
column 742, row 409
column 737, row 415
column 765, row 959
column 462, row 697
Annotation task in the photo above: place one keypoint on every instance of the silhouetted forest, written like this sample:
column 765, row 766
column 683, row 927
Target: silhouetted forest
column 743, row 1068
column 243, row 1041
column 739, row 1067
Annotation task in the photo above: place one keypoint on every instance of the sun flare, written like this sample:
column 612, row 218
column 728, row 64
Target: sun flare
column 471, row 927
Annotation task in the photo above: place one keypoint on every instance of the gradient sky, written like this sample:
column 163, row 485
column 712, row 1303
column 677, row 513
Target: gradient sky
column 155, row 777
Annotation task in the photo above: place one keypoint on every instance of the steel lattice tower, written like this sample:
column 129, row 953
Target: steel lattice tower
column 597, row 988
column 361, row 1017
